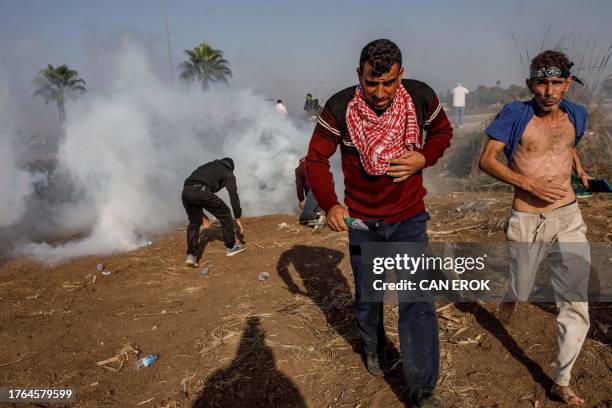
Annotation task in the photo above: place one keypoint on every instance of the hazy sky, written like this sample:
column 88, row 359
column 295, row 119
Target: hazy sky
column 285, row 49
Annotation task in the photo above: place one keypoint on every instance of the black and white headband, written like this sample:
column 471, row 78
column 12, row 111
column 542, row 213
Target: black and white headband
column 553, row 72
column 550, row 72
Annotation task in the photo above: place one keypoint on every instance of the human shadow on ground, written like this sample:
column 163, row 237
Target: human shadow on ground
column 599, row 307
column 490, row 323
column 326, row 286
column 600, row 316
column 251, row 379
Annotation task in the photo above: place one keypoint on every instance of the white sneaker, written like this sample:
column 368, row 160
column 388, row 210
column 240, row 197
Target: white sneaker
column 319, row 221
column 191, row 261
column 237, row 248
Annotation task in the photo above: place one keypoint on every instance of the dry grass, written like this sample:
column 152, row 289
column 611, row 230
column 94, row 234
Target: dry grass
column 116, row 362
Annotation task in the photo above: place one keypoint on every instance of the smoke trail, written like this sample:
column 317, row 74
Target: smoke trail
column 127, row 151
column 16, row 184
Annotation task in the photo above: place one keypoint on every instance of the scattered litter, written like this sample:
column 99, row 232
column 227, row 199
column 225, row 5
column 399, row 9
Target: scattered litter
column 187, row 380
column 476, row 205
column 283, row 225
column 264, row 276
column 192, row 289
column 147, row 361
column 317, row 227
column 116, row 362
column 146, row 401
column 461, row 330
column 164, row 312
column 17, row 361
column 447, row 306
column 451, row 318
column 205, row 271
column 101, row 268
column 501, row 223
column 454, row 231
column 475, row 340
column 68, row 285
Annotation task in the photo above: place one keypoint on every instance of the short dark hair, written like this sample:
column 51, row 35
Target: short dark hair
column 381, row 55
column 551, row 58
column 279, row 101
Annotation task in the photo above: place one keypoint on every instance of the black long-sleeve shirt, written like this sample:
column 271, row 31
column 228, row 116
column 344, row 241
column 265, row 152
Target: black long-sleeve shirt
column 217, row 175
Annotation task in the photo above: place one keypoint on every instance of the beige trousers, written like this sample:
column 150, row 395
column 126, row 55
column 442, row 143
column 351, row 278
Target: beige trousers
column 559, row 237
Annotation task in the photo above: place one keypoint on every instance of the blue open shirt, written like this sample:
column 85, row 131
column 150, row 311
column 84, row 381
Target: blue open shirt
column 510, row 123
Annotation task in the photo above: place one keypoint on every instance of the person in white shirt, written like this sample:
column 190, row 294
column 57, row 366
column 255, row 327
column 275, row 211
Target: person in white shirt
column 280, row 108
column 459, row 93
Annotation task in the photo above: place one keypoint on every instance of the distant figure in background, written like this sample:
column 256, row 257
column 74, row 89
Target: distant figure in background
column 308, row 104
column 316, row 109
column 459, row 92
column 306, row 201
column 280, row 108
column 199, row 193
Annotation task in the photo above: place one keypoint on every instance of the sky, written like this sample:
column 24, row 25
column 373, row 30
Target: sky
column 284, row 49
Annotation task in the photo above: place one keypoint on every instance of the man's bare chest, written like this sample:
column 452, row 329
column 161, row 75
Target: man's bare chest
column 547, row 138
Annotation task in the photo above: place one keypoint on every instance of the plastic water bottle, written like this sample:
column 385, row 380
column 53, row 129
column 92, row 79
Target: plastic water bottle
column 356, row 224
column 205, row 271
column 147, row 361
column 264, row 276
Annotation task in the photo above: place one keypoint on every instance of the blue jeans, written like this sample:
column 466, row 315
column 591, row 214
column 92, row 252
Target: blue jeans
column 418, row 323
column 458, row 113
column 309, row 212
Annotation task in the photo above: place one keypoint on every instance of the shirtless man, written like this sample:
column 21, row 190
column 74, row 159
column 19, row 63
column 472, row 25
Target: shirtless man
column 539, row 139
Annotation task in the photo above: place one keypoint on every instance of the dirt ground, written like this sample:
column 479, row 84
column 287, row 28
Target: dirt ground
column 230, row 340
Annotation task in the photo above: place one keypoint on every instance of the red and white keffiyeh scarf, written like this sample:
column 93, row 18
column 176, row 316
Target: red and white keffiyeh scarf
column 380, row 139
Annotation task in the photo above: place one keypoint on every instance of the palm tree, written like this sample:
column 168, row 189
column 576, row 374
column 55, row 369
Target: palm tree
column 58, row 83
column 206, row 65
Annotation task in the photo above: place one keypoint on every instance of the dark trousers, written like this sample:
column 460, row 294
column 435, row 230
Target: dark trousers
column 194, row 200
column 417, row 325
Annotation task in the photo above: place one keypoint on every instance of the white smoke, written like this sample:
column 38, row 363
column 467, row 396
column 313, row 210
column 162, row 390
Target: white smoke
column 16, row 184
column 128, row 150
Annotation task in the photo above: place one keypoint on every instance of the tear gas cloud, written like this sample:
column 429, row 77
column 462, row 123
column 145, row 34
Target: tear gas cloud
column 16, row 184
column 127, row 150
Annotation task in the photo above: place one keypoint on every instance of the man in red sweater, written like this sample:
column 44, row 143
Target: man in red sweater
column 388, row 129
